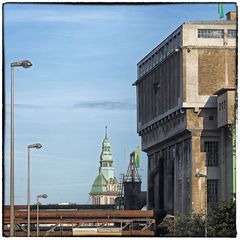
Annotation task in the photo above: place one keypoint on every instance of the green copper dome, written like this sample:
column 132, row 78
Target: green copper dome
column 99, row 185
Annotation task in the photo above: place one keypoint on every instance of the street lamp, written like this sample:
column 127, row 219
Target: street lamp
column 39, row 196
column 37, row 146
column 24, row 64
column 199, row 175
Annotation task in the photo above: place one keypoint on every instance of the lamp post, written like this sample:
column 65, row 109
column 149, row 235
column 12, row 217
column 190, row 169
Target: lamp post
column 39, row 196
column 37, row 146
column 198, row 175
column 24, row 64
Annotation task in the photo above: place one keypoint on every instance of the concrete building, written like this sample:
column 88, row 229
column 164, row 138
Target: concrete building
column 185, row 109
column 105, row 187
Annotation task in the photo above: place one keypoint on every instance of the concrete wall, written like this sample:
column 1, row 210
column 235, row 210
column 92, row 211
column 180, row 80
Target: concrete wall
column 231, row 107
column 176, row 118
column 159, row 90
column 226, row 107
column 208, row 63
column 222, row 110
column 190, row 34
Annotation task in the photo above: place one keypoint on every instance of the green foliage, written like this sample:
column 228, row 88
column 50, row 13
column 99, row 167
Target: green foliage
column 221, row 223
column 183, row 226
column 222, row 220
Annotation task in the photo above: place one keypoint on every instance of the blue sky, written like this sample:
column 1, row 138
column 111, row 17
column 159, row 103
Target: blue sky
column 84, row 63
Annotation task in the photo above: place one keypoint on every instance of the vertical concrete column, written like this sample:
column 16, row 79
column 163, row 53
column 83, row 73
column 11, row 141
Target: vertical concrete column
column 198, row 184
column 191, row 75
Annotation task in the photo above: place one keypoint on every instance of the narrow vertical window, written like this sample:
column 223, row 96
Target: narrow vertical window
column 212, row 190
column 211, row 149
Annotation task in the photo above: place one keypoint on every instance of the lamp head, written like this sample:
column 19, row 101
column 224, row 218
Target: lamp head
column 36, row 145
column 198, row 175
column 23, row 63
column 42, row 196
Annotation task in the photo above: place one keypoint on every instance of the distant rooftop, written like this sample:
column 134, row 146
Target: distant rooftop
column 217, row 22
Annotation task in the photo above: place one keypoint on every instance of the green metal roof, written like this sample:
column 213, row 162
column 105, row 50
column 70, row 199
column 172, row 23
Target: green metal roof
column 99, row 185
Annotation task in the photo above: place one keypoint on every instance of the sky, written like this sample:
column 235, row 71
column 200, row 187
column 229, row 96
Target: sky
column 84, row 60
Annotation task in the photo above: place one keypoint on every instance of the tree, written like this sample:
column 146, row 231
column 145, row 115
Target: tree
column 222, row 220
column 221, row 223
column 183, row 226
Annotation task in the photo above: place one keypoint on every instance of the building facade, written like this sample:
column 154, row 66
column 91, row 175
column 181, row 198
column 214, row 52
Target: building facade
column 105, row 187
column 185, row 108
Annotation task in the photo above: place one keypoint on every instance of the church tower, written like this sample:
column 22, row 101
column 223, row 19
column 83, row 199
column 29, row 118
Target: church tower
column 105, row 187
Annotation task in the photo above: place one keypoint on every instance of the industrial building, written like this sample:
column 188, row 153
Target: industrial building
column 134, row 198
column 185, row 113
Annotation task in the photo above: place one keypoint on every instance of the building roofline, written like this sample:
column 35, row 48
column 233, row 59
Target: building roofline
column 224, row 89
column 149, row 53
column 213, row 22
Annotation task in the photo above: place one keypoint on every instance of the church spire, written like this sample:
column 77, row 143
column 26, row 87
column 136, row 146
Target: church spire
column 105, row 131
column 106, row 160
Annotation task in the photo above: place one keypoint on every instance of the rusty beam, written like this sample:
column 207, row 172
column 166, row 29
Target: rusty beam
column 85, row 214
column 137, row 233
column 69, row 233
column 147, row 226
column 97, row 220
column 42, row 234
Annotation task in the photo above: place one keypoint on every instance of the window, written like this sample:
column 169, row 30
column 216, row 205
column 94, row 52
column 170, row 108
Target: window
column 104, row 164
column 232, row 33
column 211, row 149
column 210, row 33
column 212, row 190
